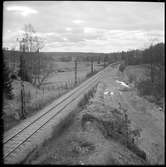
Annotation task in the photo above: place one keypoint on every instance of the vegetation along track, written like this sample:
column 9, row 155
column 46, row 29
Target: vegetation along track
column 18, row 139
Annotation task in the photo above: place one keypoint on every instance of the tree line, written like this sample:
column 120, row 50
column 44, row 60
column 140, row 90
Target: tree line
column 38, row 66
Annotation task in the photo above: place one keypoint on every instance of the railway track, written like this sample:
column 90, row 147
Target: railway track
column 22, row 139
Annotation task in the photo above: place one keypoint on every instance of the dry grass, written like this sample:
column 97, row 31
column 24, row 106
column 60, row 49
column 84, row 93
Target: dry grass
column 140, row 75
column 137, row 73
column 113, row 123
column 78, row 146
column 87, row 97
column 35, row 100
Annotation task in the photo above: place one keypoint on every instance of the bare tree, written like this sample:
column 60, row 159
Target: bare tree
column 33, row 41
column 38, row 67
column 152, row 40
column 44, row 69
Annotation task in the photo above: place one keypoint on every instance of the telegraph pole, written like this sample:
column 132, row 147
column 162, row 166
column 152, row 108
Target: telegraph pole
column 92, row 65
column 151, row 61
column 104, row 61
column 75, row 71
column 22, row 49
column 151, row 64
column 127, row 59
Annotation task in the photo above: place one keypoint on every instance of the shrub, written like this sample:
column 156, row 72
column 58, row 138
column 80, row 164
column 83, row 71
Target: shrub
column 135, row 149
column 91, row 74
column 7, row 83
column 14, row 76
column 145, row 87
column 122, row 67
column 131, row 78
column 26, row 76
column 86, row 98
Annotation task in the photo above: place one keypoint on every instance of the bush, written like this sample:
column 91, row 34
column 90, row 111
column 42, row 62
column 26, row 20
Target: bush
column 13, row 76
column 26, row 76
column 7, row 83
column 91, row 74
column 135, row 149
column 145, row 87
column 86, row 98
column 131, row 78
column 122, row 67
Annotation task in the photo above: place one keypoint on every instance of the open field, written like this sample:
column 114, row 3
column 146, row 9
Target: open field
column 67, row 71
column 41, row 125
column 83, row 83
column 93, row 138
column 56, row 84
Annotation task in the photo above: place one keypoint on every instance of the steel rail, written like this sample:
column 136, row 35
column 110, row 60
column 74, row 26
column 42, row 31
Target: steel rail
column 39, row 115
column 75, row 93
column 90, row 84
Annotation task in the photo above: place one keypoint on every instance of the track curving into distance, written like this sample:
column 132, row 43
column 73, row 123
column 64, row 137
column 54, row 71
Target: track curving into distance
column 17, row 137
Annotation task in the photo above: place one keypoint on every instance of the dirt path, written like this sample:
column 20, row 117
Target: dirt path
column 143, row 115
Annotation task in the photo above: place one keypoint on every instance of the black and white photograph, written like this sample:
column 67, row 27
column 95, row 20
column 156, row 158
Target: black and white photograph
column 83, row 82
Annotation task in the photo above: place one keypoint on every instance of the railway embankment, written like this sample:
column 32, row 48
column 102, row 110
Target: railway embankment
column 96, row 135
column 24, row 138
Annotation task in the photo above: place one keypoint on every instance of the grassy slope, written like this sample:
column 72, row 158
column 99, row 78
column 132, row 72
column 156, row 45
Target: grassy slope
column 89, row 146
column 138, row 73
column 36, row 99
column 148, row 117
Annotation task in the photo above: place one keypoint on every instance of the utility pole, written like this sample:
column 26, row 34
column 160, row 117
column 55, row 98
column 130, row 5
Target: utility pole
column 127, row 58
column 104, row 61
column 22, row 49
column 151, row 61
column 98, row 60
column 151, row 64
column 91, row 64
column 39, row 65
column 75, row 71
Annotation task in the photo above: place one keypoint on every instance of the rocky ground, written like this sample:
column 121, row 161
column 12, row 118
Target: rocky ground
column 115, row 127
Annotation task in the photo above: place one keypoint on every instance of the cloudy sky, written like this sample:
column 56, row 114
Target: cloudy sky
column 86, row 26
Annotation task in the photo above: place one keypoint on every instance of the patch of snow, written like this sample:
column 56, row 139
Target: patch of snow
column 122, row 83
column 81, row 163
column 111, row 93
column 106, row 92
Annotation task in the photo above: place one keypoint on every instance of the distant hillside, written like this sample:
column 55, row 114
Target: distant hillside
column 13, row 56
column 61, row 54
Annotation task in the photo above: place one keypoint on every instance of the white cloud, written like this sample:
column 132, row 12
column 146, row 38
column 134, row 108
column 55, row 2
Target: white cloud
column 47, row 34
column 99, row 27
column 77, row 21
column 65, row 39
column 89, row 30
column 68, row 29
column 23, row 10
